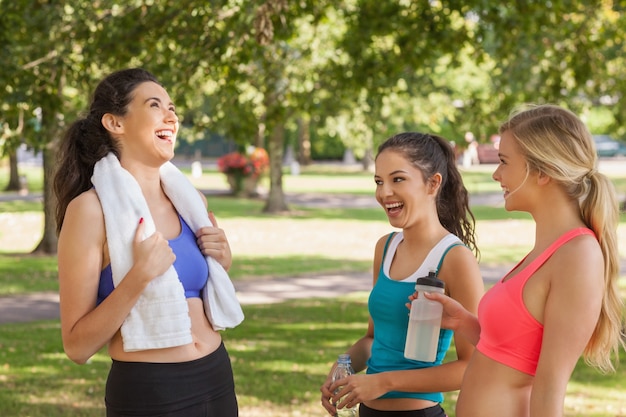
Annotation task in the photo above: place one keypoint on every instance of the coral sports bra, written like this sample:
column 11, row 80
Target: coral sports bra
column 509, row 333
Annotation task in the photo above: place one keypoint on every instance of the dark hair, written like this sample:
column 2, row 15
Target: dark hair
column 86, row 141
column 432, row 154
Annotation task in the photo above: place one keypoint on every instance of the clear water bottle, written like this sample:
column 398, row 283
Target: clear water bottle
column 343, row 369
column 422, row 335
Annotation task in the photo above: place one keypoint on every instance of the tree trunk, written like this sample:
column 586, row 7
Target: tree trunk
column 50, row 127
column 48, row 243
column 276, row 201
column 259, row 138
column 304, row 141
column 368, row 159
column 14, row 177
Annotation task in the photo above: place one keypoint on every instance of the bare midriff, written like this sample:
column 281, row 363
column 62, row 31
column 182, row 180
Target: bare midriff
column 205, row 341
column 399, row 404
column 492, row 389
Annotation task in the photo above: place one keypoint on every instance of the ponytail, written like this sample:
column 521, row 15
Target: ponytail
column 86, row 141
column 453, row 202
column 600, row 212
column 556, row 142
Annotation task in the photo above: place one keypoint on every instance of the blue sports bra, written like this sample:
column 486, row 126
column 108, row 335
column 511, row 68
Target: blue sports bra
column 190, row 265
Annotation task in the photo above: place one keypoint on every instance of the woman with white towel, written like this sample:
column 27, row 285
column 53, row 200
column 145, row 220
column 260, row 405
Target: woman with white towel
column 133, row 263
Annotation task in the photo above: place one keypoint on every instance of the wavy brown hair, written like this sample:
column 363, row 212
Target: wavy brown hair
column 86, row 141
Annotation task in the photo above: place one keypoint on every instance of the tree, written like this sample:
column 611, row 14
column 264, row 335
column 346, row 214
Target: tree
column 369, row 67
column 561, row 52
column 47, row 72
column 265, row 78
column 35, row 79
column 387, row 79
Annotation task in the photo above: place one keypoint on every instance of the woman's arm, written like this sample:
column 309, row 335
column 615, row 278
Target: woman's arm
column 85, row 327
column 572, row 307
column 360, row 351
column 463, row 280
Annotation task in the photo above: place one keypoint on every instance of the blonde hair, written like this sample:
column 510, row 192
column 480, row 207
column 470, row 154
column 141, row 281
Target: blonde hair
column 557, row 143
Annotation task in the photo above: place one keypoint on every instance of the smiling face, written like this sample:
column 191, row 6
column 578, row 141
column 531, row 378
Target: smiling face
column 402, row 191
column 512, row 172
column 148, row 129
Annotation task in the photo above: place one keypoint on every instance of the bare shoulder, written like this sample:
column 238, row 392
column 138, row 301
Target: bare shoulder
column 380, row 245
column 382, row 241
column 578, row 261
column 84, row 213
column 86, row 204
column 459, row 263
column 462, row 276
column 378, row 255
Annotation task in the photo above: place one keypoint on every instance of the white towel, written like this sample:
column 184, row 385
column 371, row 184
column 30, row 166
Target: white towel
column 160, row 318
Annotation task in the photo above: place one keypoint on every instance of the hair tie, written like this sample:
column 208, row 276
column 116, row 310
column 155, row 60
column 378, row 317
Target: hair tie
column 591, row 173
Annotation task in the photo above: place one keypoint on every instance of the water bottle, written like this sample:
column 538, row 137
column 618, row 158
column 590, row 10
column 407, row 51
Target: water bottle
column 422, row 335
column 342, row 370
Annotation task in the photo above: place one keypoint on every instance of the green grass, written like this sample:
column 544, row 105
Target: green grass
column 246, row 268
column 280, row 354
column 230, row 207
column 480, row 181
column 21, row 274
column 34, row 176
column 21, row 206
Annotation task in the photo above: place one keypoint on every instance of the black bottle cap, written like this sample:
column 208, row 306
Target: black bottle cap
column 431, row 280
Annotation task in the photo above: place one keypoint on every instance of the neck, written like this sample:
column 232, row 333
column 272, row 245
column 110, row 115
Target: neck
column 556, row 215
column 148, row 178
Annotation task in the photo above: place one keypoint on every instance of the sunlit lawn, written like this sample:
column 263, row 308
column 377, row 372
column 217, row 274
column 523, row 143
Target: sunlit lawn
column 282, row 352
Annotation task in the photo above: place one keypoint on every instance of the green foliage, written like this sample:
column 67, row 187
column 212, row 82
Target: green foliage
column 360, row 70
column 327, row 147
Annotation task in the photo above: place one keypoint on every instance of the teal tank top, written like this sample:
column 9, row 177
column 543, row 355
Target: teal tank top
column 391, row 318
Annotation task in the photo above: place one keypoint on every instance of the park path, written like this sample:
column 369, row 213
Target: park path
column 45, row 306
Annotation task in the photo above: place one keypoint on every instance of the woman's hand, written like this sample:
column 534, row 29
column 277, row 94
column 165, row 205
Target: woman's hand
column 453, row 311
column 212, row 242
column 152, row 255
column 326, row 396
column 454, row 317
column 355, row 389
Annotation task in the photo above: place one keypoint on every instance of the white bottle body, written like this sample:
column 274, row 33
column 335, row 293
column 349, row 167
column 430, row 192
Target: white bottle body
column 422, row 336
column 343, row 369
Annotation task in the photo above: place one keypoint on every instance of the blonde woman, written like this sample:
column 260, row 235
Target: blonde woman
column 561, row 300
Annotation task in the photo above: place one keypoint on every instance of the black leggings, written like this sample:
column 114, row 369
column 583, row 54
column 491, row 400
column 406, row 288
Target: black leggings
column 434, row 411
column 200, row 388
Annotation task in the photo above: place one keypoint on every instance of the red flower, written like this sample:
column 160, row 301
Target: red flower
column 254, row 163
